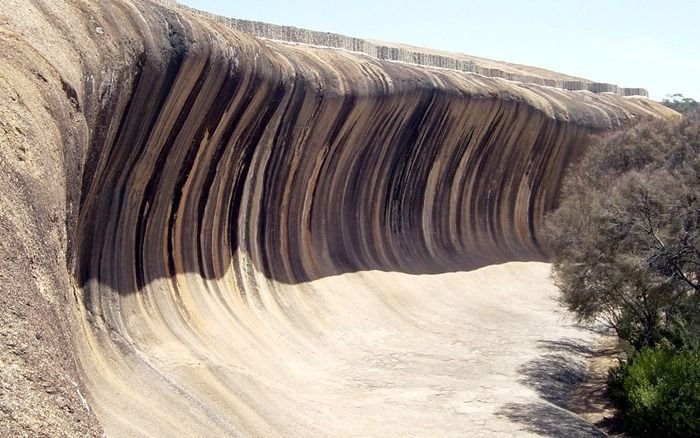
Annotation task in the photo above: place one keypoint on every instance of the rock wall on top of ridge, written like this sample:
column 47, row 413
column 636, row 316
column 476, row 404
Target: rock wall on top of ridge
column 166, row 177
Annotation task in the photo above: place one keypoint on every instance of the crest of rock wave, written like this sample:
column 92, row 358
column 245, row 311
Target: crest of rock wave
column 208, row 233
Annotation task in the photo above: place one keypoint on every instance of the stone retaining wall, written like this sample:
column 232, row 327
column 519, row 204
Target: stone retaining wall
column 399, row 54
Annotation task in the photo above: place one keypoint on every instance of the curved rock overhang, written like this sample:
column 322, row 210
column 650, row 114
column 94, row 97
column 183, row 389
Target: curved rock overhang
column 314, row 162
column 185, row 159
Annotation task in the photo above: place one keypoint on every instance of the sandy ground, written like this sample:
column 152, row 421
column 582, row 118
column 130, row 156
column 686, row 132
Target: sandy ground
column 590, row 399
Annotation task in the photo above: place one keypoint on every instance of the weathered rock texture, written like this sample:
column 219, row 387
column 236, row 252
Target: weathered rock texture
column 193, row 221
column 414, row 55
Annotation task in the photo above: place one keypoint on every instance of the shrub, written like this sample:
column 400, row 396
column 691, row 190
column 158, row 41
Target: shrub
column 626, row 252
column 659, row 392
column 682, row 104
column 626, row 237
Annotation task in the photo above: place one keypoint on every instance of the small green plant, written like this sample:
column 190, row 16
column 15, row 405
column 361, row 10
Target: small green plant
column 659, row 392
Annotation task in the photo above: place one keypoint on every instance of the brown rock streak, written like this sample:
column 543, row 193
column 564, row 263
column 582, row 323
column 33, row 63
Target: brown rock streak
column 195, row 204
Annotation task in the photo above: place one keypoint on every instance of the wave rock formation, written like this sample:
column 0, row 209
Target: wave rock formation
column 205, row 233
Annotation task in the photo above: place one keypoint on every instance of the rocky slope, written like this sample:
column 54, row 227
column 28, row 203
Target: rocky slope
column 204, row 232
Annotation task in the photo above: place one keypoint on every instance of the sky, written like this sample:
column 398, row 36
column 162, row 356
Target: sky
column 632, row 43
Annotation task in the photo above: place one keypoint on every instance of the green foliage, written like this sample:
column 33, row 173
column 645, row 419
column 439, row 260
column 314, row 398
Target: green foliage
column 659, row 391
column 626, row 237
column 626, row 251
column 682, row 104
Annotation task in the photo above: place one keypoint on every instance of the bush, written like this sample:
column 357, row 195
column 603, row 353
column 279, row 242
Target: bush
column 659, row 392
column 626, row 236
column 626, row 252
column 682, row 104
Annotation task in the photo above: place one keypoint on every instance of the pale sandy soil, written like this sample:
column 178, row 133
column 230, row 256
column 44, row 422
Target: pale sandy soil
column 590, row 399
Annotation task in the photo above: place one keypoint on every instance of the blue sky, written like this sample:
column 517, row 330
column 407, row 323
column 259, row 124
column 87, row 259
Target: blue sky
column 633, row 43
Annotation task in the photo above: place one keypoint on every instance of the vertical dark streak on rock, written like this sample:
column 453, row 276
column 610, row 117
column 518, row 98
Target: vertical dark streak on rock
column 200, row 185
column 150, row 190
column 275, row 173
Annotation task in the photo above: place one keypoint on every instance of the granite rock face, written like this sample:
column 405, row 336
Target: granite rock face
column 414, row 55
column 187, row 212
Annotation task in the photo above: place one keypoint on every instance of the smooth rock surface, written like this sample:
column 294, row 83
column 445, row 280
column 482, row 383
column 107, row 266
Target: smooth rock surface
column 203, row 233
